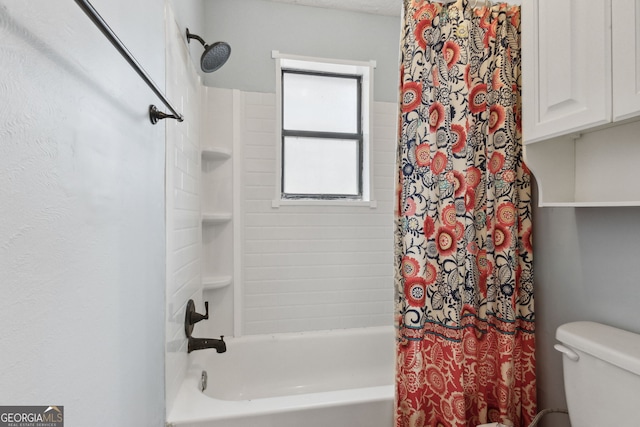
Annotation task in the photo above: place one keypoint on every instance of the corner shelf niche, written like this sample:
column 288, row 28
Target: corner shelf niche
column 220, row 208
column 217, row 190
column 216, row 282
column 215, row 154
column 216, row 218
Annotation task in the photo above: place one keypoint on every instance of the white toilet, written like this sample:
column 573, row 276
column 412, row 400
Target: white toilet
column 601, row 374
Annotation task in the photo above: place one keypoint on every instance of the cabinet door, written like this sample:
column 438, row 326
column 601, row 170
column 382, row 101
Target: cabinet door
column 566, row 66
column 625, row 21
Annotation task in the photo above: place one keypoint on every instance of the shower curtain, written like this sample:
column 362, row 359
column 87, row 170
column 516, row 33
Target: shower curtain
column 464, row 297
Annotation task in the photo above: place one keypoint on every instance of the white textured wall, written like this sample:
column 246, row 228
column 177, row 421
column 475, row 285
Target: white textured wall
column 314, row 267
column 82, row 247
column 183, row 201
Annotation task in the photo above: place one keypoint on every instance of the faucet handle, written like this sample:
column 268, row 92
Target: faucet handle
column 195, row 317
column 192, row 317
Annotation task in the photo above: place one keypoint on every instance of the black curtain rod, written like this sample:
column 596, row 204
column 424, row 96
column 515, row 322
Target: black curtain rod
column 154, row 113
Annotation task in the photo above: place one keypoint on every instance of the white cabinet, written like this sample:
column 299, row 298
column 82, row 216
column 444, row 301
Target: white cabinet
column 581, row 99
column 625, row 31
column 566, row 66
column 580, row 65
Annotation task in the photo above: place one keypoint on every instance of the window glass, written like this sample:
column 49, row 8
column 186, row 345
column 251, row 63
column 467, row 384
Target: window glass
column 316, row 166
column 320, row 103
column 324, row 115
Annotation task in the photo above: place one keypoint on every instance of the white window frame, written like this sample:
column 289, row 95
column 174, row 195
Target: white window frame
column 364, row 69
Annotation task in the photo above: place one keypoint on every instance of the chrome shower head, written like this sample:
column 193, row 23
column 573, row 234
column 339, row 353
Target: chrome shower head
column 214, row 56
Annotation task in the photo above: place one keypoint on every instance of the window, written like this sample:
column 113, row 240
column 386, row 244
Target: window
column 323, row 138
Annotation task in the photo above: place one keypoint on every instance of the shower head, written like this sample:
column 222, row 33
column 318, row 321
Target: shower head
column 214, row 56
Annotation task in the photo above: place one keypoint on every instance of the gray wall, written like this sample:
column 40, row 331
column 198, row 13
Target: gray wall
column 586, row 268
column 254, row 28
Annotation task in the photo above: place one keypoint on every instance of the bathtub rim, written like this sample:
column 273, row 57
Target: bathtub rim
column 359, row 331
column 192, row 406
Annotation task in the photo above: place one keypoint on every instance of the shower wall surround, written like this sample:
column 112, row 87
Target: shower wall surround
column 183, row 202
column 293, row 268
column 314, row 267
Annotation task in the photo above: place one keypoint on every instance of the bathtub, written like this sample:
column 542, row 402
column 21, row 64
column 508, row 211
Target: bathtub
column 339, row 378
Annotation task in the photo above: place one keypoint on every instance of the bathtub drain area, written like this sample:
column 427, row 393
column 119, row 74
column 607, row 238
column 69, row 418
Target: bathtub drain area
column 203, row 381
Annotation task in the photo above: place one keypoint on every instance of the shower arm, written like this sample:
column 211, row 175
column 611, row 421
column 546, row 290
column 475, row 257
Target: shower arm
column 154, row 113
column 197, row 37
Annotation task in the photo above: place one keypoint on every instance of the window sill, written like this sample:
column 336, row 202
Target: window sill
column 276, row 203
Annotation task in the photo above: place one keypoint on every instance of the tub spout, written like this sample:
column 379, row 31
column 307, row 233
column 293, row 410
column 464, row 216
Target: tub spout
column 202, row 343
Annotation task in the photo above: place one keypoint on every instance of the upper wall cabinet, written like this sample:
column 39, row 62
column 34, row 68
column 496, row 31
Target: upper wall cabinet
column 566, row 66
column 625, row 32
column 581, row 100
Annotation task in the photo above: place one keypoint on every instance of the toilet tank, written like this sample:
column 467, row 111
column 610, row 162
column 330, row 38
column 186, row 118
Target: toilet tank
column 601, row 374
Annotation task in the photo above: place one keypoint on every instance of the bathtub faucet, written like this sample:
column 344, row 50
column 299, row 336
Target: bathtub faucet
column 202, row 343
column 191, row 318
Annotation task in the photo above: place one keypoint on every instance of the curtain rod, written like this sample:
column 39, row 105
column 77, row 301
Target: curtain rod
column 154, row 113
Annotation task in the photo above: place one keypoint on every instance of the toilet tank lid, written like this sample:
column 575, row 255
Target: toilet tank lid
column 616, row 346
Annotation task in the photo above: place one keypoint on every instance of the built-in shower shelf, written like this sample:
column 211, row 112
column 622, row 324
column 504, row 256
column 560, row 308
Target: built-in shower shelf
column 215, row 153
column 216, row 282
column 214, row 218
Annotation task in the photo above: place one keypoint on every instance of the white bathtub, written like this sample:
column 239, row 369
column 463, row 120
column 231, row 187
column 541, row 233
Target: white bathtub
column 341, row 378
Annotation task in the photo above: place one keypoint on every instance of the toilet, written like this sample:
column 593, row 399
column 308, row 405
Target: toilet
column 601, row 374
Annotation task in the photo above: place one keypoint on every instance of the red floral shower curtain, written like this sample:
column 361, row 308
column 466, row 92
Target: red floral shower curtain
column 464, row 296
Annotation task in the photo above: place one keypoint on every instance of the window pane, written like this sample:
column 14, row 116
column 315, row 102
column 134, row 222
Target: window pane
column 320, row 103
column 321, row 166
